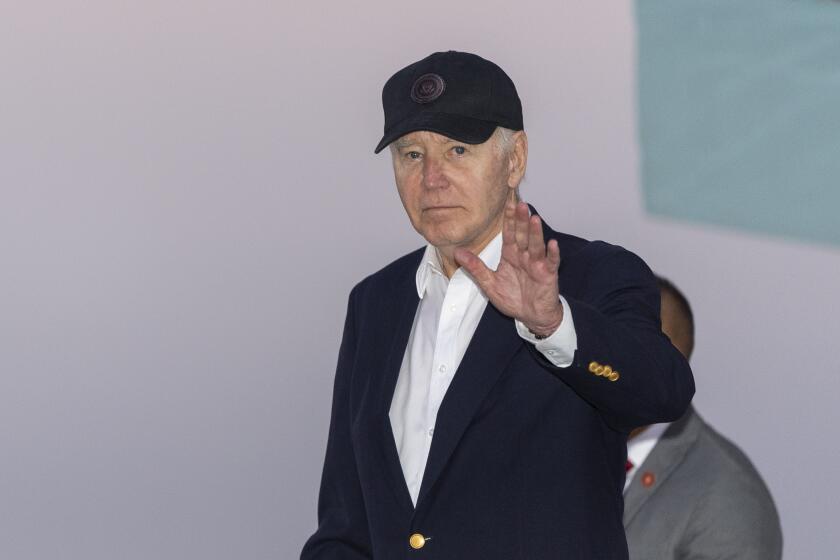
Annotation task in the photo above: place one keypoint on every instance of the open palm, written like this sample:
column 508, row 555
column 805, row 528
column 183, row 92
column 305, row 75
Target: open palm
column 524, row 286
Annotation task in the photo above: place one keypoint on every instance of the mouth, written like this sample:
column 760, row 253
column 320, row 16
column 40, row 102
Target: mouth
column 435, row 208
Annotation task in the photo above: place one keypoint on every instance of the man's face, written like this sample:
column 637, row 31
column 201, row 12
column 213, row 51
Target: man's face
column 454, row 193
column 675, row 325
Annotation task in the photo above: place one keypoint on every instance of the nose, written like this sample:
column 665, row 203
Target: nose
column 434, row 176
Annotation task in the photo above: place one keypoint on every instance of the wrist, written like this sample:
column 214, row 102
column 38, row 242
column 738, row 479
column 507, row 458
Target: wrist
column 542, row 331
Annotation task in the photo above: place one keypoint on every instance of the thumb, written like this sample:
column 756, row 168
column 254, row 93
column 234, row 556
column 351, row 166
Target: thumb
column 478, row 270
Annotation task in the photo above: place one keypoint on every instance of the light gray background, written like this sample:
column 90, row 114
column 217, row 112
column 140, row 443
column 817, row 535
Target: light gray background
column 188, row 193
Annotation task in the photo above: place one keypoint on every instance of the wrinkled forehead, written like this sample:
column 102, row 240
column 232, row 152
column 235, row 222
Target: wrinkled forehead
column 421, row 137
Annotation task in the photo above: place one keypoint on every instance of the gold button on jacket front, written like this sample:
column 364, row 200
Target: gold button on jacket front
column 417, row 541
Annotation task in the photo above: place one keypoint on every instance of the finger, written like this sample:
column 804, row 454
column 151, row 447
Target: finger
column 536, row 245
column 509, row 224
column 478, row 270
column 553, row 255
column 522, row 226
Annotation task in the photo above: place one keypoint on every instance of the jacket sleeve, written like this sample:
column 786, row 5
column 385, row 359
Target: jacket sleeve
column 735, row 521
column 624, row 365
column 342, row 532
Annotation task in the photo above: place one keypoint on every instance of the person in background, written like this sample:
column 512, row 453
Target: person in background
column 690, row 493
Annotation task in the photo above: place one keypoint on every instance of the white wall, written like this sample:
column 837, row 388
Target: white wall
column 189, row 193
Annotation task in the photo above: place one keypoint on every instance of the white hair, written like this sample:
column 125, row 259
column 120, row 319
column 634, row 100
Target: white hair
column 504, row 143
column 503, row 140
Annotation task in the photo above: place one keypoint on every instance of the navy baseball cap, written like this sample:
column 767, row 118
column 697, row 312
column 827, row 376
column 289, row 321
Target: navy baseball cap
column 457, row 94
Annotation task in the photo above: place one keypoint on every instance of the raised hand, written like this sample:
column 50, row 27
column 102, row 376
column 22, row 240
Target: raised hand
column 524, row 286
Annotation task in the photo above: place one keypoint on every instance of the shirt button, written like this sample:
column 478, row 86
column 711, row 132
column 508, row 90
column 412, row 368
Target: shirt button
column 453, row 307
column 551, row 352
column 431, row 432
column 442, row 368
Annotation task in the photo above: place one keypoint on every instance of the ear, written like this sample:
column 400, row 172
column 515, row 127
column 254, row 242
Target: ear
column 517, row 159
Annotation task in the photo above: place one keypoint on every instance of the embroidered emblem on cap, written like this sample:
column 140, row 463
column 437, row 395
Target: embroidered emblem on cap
column 427, row 88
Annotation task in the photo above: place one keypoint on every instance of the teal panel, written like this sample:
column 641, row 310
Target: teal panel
column 739, row 113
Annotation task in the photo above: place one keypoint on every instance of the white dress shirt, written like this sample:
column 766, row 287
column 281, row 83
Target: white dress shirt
column 640, row 447
column 447, row 316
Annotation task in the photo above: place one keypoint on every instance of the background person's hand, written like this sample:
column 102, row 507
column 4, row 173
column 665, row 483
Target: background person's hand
column 524, row 286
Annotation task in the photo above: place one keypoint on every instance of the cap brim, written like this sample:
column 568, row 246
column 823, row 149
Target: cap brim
column 457, row 127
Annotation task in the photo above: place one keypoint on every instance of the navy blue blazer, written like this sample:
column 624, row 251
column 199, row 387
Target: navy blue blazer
column 527, row 460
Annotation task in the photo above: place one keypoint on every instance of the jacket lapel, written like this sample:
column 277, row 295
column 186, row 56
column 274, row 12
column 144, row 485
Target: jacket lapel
column 491, row 348
column 666, row 456
column 404, row 302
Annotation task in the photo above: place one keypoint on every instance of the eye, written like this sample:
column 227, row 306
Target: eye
column 460, row 150
column 413, row 155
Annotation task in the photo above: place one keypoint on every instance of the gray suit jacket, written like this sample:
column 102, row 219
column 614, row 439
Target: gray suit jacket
column 697, row 496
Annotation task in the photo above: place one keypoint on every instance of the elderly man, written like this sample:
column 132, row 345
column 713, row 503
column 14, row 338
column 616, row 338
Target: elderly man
column 485, row 388
column 690, row 492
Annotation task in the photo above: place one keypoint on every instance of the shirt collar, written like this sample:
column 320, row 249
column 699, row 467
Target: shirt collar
column 430, row 265
column 640, row 446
